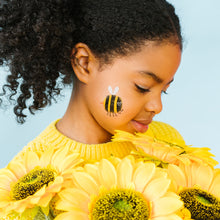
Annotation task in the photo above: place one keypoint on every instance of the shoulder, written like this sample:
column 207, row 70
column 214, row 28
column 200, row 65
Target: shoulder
column 165, row 132
column 44, row 140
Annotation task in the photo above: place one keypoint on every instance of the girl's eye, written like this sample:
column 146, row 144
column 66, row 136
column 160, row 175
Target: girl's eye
column 141, row 89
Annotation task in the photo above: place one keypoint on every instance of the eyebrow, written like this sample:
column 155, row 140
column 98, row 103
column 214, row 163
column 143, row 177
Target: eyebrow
column 154, row 76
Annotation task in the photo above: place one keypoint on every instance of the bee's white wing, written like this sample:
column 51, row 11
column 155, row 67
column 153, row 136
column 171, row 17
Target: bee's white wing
column 110, row 90
column 116, row 90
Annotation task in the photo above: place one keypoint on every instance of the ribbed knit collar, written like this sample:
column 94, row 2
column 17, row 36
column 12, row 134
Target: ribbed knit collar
column 51, row 136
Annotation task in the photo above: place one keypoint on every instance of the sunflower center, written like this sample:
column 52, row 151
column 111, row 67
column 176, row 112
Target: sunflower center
column 203, row 200
column 32, row 182
column 53, row 211
column 201, row 204
column 121, row 204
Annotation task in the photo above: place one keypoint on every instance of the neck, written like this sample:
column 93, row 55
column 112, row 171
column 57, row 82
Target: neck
column 79, row 125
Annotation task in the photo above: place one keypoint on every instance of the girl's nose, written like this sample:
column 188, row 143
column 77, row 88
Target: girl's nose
column 154, row 104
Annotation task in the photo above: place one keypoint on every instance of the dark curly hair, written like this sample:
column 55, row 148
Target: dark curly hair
column 37, row 37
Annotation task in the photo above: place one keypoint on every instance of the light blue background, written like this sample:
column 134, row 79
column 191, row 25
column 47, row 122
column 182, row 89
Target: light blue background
column 192, row 105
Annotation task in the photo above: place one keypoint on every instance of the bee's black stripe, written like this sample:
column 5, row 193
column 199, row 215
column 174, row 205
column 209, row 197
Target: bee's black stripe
column 112, row 103
column 119, row 104
column 106, row 103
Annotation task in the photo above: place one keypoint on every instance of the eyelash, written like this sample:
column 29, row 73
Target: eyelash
column 164, row 92
column 142, row 90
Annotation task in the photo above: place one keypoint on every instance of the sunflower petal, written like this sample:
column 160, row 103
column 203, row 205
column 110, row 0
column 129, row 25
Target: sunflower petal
column 169, row 217
column 17, row 168
column 71, row 198
column 176, row 174
column 124, row 171
column 160, row 172
column 59, row 156
column 47, row 156
column 72, row 215
column 6, row 178
column 69, row 162
column 3, row 195
column 85, row 182
column 166, row 206
column 92, row 170
column 156, row 188
column 31, row 160
column 215, row 186
column 204, row 176
column 142, row 175
column 107, row 174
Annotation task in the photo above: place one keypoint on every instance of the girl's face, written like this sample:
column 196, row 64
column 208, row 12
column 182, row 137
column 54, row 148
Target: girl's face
column 135, row 84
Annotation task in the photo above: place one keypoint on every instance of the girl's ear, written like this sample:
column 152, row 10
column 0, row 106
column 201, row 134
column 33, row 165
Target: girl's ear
column 82, row 61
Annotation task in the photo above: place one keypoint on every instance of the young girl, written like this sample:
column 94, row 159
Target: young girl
column 120, row 58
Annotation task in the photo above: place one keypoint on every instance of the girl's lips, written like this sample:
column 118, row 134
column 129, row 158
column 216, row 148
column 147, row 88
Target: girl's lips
column 140, row 127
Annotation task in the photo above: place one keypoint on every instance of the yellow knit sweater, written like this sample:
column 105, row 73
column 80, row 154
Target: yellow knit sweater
column 89, row 152
column 95, row 152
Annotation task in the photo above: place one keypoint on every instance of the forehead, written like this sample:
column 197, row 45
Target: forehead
column 156, row 58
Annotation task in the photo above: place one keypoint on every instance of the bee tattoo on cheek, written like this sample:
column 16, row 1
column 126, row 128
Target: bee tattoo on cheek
column 113, row 103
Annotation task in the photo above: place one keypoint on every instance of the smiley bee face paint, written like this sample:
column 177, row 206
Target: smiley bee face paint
column 113, row 103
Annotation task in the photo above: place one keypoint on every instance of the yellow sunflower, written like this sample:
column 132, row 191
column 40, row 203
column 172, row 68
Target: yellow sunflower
column 166, row 144
column 199, row 188
column 167, row 134
column 122, row 189
column 32, row 181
